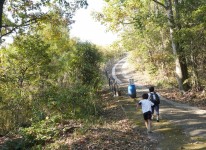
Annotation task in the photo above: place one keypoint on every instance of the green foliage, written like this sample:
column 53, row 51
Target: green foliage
column 24, row 66
column 22, row 14
column 85, row 64
column 191, row 36
column 77, row 101
column 144, row 28
column 44, row 73
column 47, row 77
column 41, row 132
column 26, row 61
column 35, row 136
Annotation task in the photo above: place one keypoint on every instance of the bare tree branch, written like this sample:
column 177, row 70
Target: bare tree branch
column 14, row 27
column 161, row 4
column 7, row 33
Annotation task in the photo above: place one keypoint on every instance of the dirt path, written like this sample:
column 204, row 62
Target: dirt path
column 181, row 126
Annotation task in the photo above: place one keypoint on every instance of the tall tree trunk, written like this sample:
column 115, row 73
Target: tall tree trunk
column 1, row 14
column 195, row 82
column 180, row 61
column 183, row 62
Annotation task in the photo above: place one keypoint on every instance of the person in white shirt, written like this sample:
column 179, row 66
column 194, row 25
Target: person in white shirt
column 146, row 110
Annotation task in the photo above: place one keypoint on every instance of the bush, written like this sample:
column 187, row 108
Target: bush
column 41, row 132
column 78, row 101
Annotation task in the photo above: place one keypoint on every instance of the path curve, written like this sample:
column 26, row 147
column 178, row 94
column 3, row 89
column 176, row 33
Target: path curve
column 186, row 125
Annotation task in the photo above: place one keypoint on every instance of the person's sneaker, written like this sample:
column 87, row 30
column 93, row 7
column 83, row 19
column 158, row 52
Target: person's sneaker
column 158, row 120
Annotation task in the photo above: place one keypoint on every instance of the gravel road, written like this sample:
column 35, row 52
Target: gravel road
column 181, row 126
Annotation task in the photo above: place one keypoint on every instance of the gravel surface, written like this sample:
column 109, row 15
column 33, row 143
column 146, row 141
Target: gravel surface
column 181, row 126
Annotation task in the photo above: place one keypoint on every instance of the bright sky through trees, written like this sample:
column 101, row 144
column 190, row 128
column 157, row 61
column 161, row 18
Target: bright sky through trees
column 87, row 29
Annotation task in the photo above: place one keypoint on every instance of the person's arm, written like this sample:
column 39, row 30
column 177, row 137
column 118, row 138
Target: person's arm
column 139, row 104
column 152, row 104
column 149, row 96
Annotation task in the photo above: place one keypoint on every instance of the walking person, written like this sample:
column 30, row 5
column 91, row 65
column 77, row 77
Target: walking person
column 155, row 98
column 146, row 110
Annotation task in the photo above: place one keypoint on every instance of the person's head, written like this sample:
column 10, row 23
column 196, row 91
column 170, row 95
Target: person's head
column 145, row 96
column 151, row 89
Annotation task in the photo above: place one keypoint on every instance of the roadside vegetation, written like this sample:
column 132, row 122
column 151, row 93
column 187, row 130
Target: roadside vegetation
column 52, row 87
column 166, row 40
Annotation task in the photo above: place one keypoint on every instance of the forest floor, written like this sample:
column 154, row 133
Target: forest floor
column 182, row 121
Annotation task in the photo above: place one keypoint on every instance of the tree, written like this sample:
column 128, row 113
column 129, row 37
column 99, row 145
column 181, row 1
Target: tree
column 85, row 64
column 191, row 36
column 148, row 14
column 180, row 61
column 38, row 75
column 17, row 15
column 1, row 14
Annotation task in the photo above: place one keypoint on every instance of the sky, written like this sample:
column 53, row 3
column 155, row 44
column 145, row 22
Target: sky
column 87, row 29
